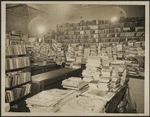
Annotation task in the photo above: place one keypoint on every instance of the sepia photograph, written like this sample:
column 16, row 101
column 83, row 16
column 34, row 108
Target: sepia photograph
column 75, row 58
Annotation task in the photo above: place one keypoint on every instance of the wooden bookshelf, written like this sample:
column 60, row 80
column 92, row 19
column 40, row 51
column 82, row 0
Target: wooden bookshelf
column 19, row 99
column 18, row 85
column 68, row 30
column 18, row 75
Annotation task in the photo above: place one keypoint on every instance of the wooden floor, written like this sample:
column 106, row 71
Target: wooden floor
column 137, row 90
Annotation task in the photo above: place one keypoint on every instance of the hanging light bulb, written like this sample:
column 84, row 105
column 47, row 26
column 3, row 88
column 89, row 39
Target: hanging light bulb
column 113, row 19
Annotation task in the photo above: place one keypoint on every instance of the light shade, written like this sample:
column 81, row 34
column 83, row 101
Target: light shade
column 38, row 26
column 113, row 19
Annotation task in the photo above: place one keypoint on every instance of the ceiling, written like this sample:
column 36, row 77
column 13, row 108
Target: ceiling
column 23, row 9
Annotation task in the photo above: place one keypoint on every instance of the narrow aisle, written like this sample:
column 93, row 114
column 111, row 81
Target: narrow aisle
column 137, row 90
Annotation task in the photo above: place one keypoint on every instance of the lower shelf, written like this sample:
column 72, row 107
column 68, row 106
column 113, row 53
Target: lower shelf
column 19, row 99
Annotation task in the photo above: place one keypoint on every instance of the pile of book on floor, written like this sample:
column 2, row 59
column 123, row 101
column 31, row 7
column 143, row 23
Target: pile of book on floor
column 75, row 83
column 49, row 100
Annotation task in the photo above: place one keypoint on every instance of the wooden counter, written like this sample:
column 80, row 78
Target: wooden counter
column 52, row 79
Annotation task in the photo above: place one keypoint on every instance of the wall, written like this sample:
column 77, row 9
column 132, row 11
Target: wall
column 14, row 22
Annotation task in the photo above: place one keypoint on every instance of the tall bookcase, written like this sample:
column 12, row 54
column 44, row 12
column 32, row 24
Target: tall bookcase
column 101, row 31
column 17, row 75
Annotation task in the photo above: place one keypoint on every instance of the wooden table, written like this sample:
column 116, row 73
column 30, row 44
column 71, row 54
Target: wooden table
column 52, row 79
column 44, row 68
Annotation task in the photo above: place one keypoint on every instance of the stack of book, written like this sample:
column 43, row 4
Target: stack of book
column 114, row 51
column 74, row 83
column 75, row 52
column 69, row 62
column 105, row 78
column 115, row 80
column 119, row 51
column 41, row 53
column 94, row 50
column 92, row 68
column 123, row 75
column 105, row 61
column 109, row 51
column 60, row 54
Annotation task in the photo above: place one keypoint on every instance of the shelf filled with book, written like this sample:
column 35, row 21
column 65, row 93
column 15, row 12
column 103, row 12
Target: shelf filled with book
column 17, row 69
column 89, row 30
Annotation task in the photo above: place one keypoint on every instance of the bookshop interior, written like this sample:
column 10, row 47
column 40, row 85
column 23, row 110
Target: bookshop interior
column 74, row 58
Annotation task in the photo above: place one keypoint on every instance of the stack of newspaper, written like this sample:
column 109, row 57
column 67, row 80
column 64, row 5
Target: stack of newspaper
column 48, row 100
column 83, row 104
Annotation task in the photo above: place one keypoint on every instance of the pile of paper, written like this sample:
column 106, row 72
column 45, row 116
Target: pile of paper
column 84, row 105
column 74, row 83
column 97, row 94
column 47, row 101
